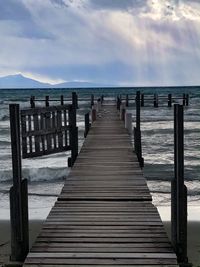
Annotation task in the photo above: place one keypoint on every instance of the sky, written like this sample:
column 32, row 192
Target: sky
column 116, row 42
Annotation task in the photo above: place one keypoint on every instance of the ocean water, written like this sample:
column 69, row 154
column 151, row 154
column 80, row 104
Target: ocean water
column 47, row 174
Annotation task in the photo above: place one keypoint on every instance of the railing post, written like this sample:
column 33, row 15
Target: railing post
column 127, row 101
column 142, row 100
column 155, row 102
column 87, row 124
column 169, row 100
column 102, row 99
column 98, row 104
column 75, row 100
column 47, row 101
column 94, row 114
column 73, row 134
column 92, row 101
column 187, row 99
column 128, row 122
column 32, row 101
column 179, row 209
column 122, row 112
column 62, row 100
column 184, row 99
column 18, row 193
column 137, row 132
column 118, row 103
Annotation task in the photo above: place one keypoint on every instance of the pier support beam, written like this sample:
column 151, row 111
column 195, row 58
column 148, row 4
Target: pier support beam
column 128, row 122
column 137, row 132
column 179, row 192
column 18, row 193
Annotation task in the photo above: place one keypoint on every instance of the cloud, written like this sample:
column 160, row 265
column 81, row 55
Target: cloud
column 124, row 42
column 13, row 10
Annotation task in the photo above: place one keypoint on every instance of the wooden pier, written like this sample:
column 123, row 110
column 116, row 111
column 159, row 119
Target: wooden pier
column 104, row 215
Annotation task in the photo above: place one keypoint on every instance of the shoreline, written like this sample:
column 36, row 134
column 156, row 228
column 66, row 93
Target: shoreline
column 35, row 227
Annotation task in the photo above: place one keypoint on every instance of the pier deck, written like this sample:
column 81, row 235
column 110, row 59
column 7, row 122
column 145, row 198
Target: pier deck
column 104, row 215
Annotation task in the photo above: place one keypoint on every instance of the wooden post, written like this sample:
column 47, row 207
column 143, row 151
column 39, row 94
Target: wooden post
column 127, row 101
column 184, row 99
column 92, row 101
column 94, row 113
column 75, row 100
column 142, row 100
column 32, row 101
column 47, row 101
column 102, row 99
column 179, row 229
column 73, row 135
column 18, row 193
column 128, row 122
column 137, row 132
column 155, row 102
column 174, row 190
column 118, row 103
column 137, row 110
column 87, row 124
column 62, row 100
column 98, row 104
column 122, row 112
column 169, row 100
column 187, row 100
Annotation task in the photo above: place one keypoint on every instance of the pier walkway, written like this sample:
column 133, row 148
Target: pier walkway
column 104, row 215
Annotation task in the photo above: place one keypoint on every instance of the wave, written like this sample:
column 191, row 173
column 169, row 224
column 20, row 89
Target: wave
column 37, row 174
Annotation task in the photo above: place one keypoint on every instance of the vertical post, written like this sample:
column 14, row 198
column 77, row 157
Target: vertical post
column 94, row 113
column 47, row 101
column 102, row 99
column 138, row 110
column 137, row 132
column 87, row 124
column 73, row 135
column 122, row 112
column 169, row 100
column 118, row 103
column 181, row 191
column 18, row 193
column 142, row 100
column 127, row 101
column 184, row 99
column 155, row 102
column 92, row 101
column 62, row 100
column 75, row 100
column 128, row 122
column 32, row 101
column 187, row 100
column 174, row 190
column 98, row 104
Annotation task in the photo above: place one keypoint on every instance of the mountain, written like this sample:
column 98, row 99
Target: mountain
column 19, row 81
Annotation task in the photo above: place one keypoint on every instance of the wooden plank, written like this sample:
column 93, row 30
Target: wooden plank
column 104, row 215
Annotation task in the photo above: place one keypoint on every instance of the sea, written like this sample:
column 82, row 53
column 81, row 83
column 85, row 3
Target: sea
column 46, row 175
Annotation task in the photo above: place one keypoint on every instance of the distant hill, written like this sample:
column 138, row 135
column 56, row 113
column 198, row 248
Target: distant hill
column 19, row 81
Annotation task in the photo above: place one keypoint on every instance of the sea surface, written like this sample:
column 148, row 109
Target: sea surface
column 47, row 174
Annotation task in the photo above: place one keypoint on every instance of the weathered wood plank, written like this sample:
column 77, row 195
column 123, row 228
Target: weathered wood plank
column 104, row 215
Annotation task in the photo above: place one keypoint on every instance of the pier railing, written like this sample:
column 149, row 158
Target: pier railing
column 38, row 131
column 154, row 100
column 178, row 187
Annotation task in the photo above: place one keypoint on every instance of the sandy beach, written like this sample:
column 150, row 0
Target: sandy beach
column 35, row 226
column 34, row 229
